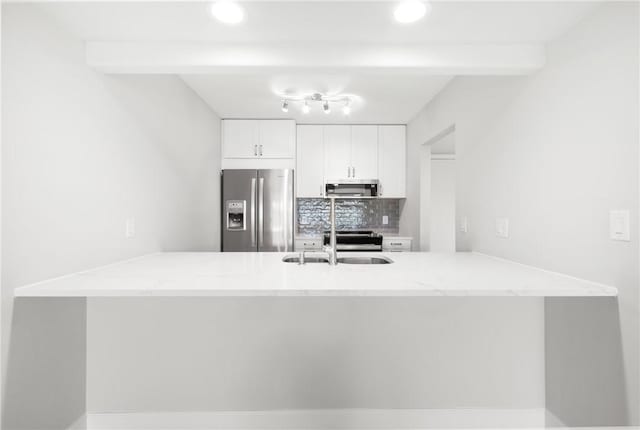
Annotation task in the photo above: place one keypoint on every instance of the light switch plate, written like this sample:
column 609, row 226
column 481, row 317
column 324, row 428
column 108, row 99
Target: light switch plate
column 129, row 228
column 464, row 224
column 385, row 219
column 619, row 228
column 502, row 227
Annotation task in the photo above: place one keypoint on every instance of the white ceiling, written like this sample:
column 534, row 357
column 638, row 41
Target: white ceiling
column 339, row 21
column 379, row 98
column 383, row 95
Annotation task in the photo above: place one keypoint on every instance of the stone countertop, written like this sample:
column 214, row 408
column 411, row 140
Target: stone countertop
column 213, row 274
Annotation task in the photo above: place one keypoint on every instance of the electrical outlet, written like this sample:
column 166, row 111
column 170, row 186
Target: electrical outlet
column 385, row 219
column 502, row 227
column 129, row 228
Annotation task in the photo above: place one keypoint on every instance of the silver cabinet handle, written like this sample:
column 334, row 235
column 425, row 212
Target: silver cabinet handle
column 253, row 211
column 261, row 214
column 255, row 150
column 261, row 150
column 321, row 191
column 354, row 171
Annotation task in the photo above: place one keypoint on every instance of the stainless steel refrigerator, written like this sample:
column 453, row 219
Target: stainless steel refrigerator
column 257, row 210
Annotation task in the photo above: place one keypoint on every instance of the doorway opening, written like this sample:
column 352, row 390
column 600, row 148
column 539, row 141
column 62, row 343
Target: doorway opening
column 438, row 193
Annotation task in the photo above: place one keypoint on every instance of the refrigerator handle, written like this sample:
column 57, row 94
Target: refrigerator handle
column 261, row 214
column 253, row 211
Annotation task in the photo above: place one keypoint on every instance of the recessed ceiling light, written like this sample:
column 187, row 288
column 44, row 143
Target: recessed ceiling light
column 227, row 11
column 411, row 11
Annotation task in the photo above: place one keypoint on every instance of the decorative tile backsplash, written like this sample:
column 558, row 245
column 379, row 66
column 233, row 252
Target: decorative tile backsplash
column 365, row 214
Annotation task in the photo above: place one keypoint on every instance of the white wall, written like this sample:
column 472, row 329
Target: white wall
column 443, row 206
column 555, row 152
column 81, row 153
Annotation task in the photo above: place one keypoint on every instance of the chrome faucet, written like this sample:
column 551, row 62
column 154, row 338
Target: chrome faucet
column 332, row 249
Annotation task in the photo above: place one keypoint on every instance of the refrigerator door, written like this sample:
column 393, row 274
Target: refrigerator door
column 239, row 210
column 275, row 210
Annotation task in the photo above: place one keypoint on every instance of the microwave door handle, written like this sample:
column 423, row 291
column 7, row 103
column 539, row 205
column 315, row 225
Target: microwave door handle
column 261, row 214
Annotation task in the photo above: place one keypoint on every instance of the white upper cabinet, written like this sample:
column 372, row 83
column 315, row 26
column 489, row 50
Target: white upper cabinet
column 351, row 152
column 240, row 138
column 392, row 160
column 243, row 138
column 277, row 139
column 337, row 151
column 364, row 152
column 309, row 165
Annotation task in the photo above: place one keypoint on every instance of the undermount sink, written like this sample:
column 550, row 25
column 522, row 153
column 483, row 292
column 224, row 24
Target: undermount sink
column 296, row 259
column 342, row 260
column 364, row 260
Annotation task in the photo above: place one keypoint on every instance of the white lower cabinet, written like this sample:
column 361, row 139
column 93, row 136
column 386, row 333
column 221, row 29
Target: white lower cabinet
column 308, row 244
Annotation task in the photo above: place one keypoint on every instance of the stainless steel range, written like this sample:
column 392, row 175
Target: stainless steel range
column 361, row 240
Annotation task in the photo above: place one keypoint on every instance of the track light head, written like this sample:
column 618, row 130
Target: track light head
column 325, row 107
column 346, row 109
column 305, row 107
column 285, row 106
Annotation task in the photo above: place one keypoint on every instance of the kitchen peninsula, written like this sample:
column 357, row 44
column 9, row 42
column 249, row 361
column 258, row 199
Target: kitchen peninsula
column 192, row 274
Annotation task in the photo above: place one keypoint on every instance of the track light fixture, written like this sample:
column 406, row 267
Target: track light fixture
column 322, row 99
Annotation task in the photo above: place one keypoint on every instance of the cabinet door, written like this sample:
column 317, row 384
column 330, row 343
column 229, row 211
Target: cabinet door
column 277, row 139
column 392, row 161
column 337, row 151
column 240, row 138
column 364, row 151
column 309, row 166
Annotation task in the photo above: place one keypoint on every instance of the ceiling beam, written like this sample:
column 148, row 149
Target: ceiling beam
column 185, row 58
column 289, row 1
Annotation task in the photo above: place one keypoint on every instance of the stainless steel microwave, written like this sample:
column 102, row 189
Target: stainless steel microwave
column 362, row 188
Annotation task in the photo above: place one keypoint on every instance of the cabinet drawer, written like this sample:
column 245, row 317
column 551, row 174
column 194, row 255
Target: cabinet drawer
column 312, row 244
column 396, row 244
